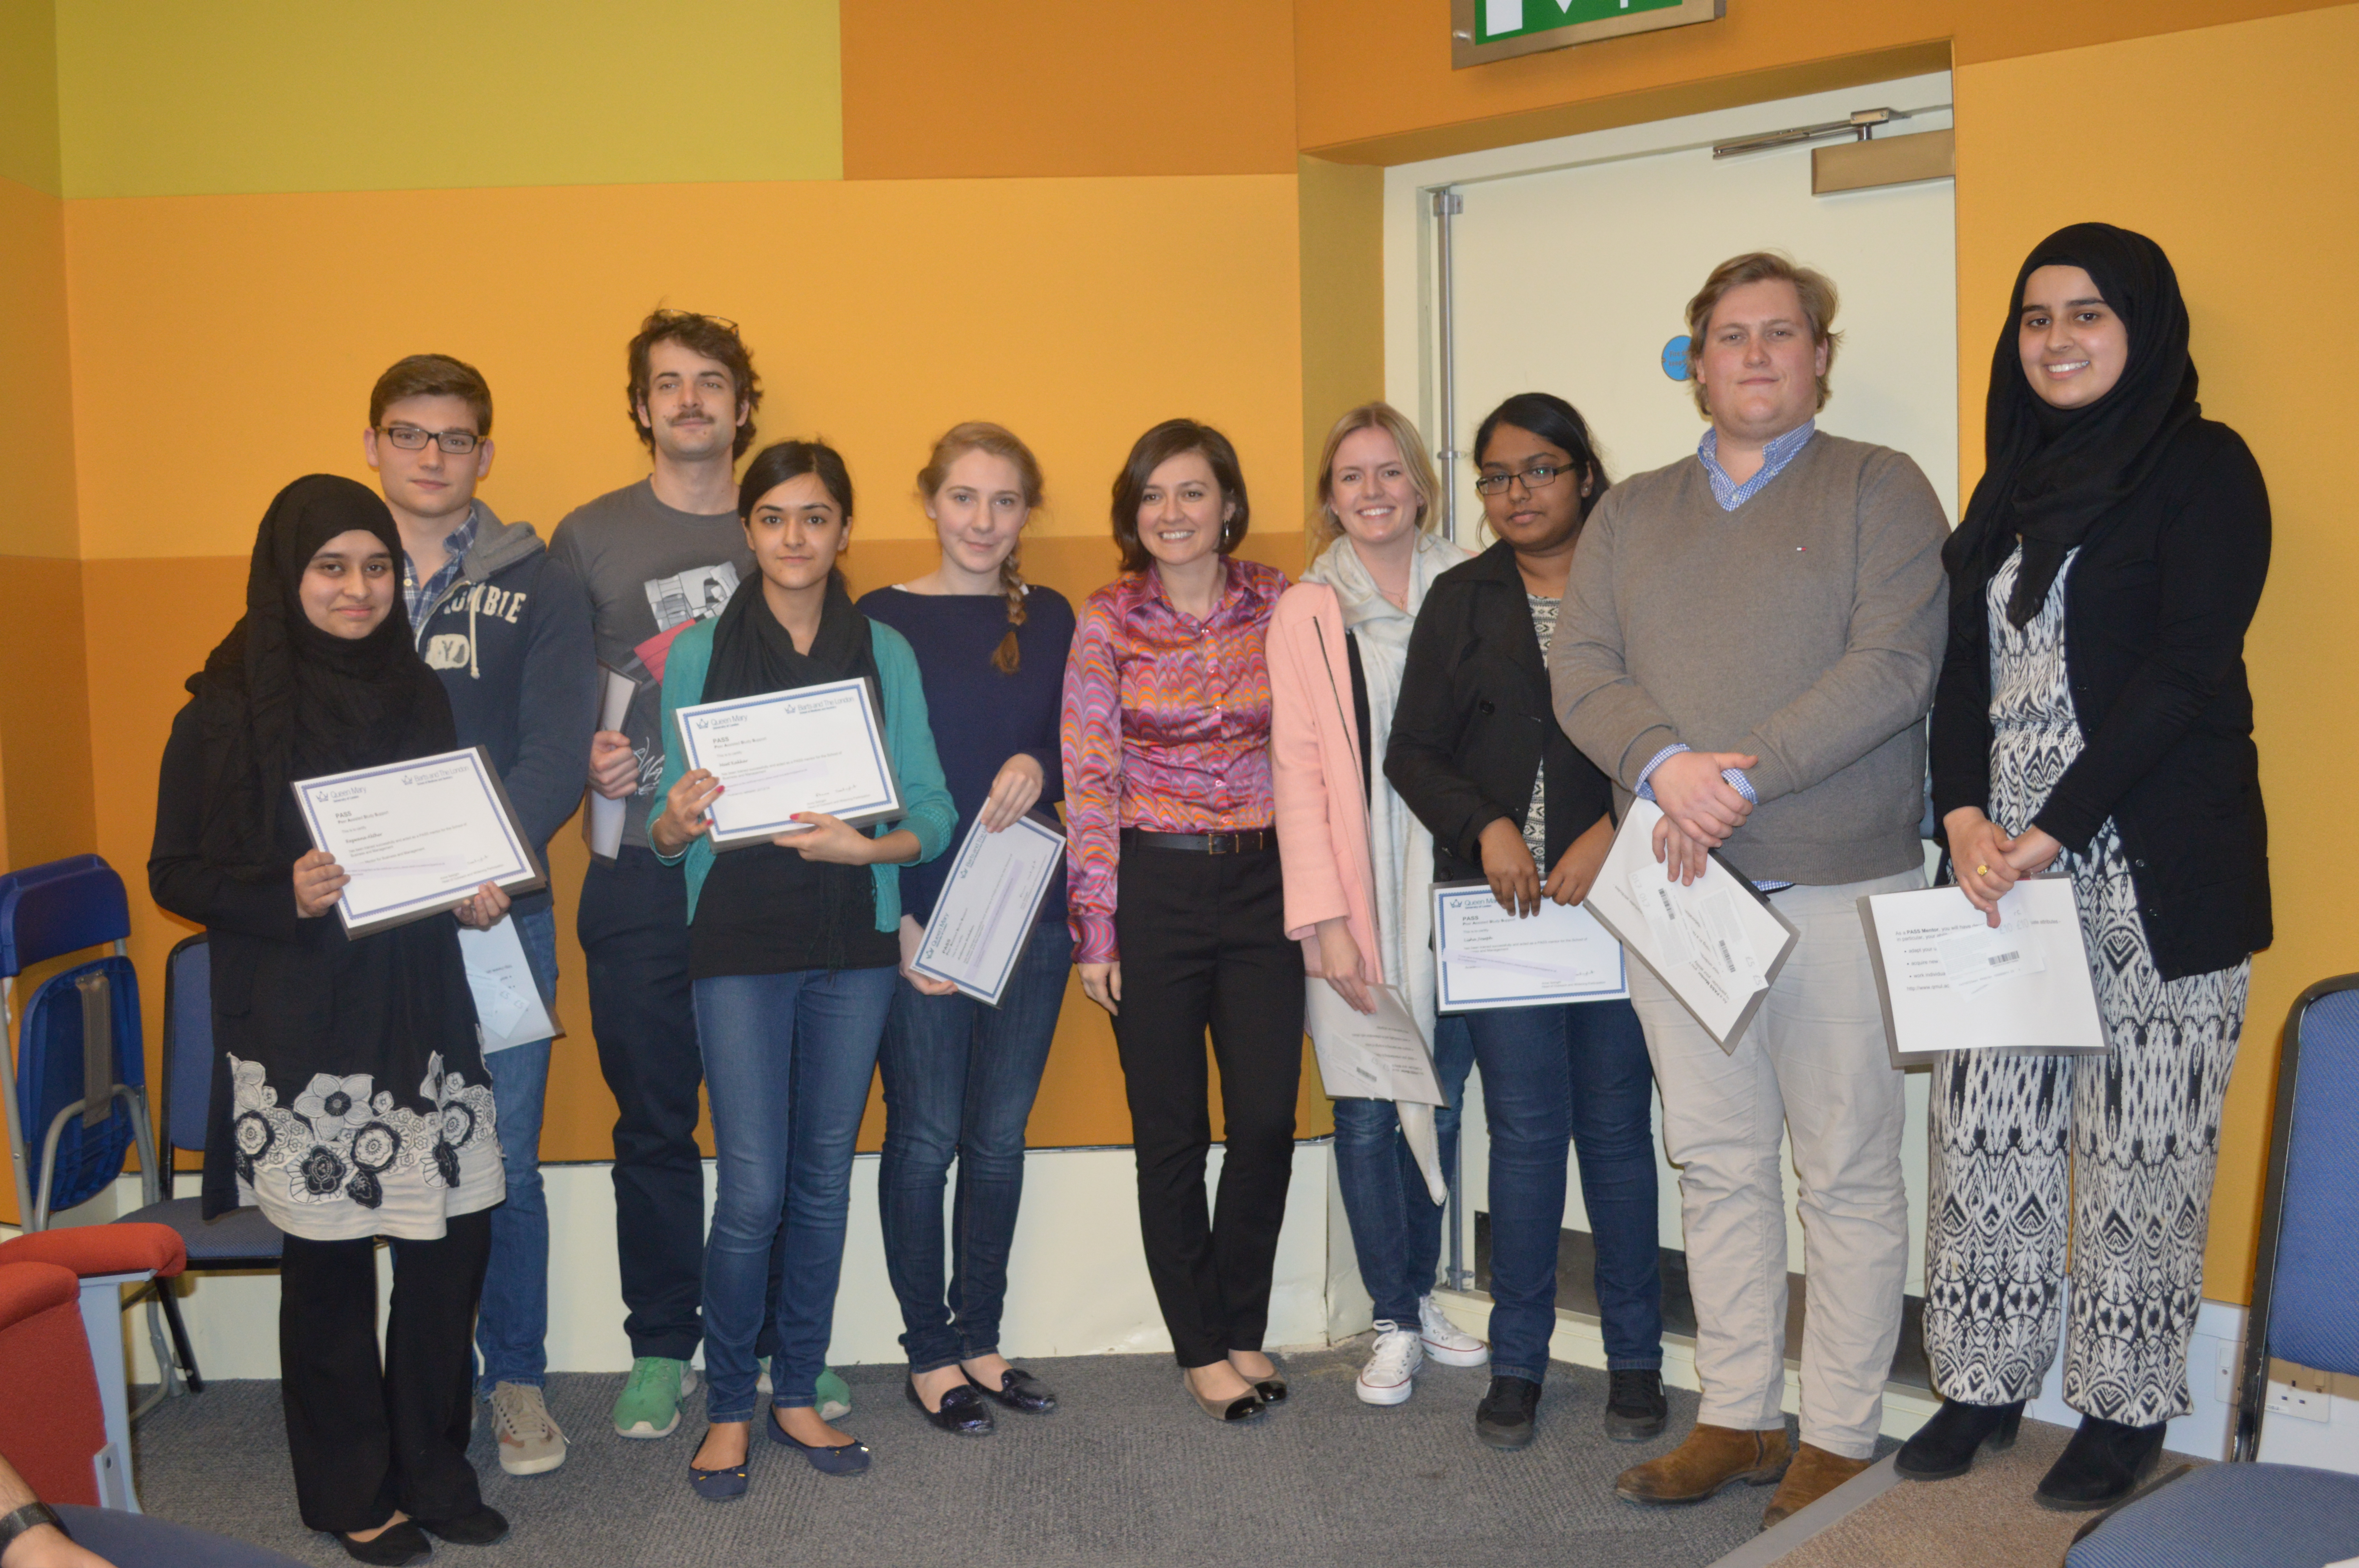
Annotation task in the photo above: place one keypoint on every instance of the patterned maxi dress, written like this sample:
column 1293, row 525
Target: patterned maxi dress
column 2117, row 1150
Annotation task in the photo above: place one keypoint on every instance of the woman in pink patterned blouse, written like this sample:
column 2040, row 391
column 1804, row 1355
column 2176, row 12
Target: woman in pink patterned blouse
column 1176, row 900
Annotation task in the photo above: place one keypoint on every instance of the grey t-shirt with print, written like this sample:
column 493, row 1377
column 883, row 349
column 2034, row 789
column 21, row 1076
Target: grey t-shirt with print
column 648, row 570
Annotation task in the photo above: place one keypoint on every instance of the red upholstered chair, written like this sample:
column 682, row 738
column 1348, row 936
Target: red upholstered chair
column 97, row 1259
column 51, row 1428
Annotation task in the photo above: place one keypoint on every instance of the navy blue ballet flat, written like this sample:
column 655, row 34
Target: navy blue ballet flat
column 718, row 1486
column 850, row 1459
column 1018, row 1390
column 963, row 1413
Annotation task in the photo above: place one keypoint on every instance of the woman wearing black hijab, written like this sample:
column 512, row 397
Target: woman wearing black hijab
column 349, row 1100
column 2094, row 717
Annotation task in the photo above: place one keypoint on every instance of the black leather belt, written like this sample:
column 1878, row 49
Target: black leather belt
column 1251, row 841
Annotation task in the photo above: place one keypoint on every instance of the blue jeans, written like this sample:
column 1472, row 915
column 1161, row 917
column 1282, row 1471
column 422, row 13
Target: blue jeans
column 959, row 1079
column 1577, row 1074
column 1395, row 1223
column 787, row 1060
column 512, row 1322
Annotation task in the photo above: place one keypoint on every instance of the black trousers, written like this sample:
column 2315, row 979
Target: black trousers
column 367, row 1440
column 1203, row 945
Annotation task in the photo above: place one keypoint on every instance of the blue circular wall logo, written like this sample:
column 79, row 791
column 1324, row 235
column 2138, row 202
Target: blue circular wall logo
column 1675, row 358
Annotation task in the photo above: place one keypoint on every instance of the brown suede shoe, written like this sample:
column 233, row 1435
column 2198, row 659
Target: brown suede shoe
column 1813, row 1474
column 1710, row 1458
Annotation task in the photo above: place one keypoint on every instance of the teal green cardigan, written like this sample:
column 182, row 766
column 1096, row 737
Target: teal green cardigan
column 909, row 742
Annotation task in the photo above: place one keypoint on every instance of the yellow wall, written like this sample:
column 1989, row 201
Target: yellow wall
column 2156, row 138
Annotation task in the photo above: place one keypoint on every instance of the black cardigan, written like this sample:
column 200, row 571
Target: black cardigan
column 1473, row 722
column 2156, row 607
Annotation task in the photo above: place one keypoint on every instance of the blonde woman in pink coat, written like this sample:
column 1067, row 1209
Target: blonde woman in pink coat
column 1358, row 864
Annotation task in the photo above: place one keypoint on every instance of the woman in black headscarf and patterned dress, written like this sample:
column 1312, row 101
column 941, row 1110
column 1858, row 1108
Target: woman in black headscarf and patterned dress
column 2094, row 717
column 349, row 1100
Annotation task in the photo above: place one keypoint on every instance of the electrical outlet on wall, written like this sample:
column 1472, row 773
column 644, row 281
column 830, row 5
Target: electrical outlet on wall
column 2300, row 1392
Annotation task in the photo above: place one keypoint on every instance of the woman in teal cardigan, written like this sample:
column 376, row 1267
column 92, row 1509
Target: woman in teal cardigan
column 792, row 951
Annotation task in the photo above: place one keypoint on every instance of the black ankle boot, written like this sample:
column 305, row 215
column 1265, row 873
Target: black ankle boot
column 1945, row 1445
column 2103, row 1464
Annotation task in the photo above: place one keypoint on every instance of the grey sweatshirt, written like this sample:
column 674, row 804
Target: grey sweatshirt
column 1806, row 627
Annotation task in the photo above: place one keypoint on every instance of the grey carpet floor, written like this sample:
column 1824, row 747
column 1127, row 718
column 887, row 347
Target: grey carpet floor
column 1126, row 1475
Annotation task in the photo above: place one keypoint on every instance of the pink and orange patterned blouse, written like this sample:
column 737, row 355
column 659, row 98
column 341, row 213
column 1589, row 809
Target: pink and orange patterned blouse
column 1166, row 727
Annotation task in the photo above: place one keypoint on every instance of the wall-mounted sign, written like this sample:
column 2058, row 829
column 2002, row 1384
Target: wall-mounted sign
column 1483, row 30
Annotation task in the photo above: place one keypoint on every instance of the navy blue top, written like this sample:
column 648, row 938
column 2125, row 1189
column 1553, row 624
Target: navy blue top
column 979, row 716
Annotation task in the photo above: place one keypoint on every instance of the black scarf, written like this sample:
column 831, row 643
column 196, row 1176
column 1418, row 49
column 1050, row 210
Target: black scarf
column 752, row 653
column 281, row 699
column 2051, row 473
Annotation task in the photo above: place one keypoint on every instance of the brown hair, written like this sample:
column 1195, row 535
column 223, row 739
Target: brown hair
column 982, row 435
column 1325, row 528
column 714, row 337
column 1151, row 451
column 1816, row 289
column 432, row 375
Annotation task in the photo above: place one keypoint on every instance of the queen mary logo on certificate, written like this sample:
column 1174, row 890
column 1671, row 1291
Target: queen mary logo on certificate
column 416, row 837
column 815, row 748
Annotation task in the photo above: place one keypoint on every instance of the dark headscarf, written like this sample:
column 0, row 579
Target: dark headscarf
column 2050, row 473
column 752, row 653
column 281, row 699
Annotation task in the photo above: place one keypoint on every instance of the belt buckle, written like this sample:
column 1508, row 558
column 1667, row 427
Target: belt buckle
column 1219, row 843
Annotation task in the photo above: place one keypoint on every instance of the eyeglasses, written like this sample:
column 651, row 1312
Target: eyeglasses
column 1540, row 476
column 410, row 438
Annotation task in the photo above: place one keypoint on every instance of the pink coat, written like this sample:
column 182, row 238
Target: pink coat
column 1314, row 751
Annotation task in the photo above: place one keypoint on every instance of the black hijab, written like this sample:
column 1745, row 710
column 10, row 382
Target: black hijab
column 752, row 653
column 2051, row 473
column 281, row 699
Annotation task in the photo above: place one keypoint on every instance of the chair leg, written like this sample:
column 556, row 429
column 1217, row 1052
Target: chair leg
column 171, row 1302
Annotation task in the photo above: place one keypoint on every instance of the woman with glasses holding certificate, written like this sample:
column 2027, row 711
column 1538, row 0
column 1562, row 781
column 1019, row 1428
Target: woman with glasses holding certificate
column 1359, row 865
column 792, row 952
column 1478, row 755
column 1177, row 909
column 959, row 1075
column 350, row 1101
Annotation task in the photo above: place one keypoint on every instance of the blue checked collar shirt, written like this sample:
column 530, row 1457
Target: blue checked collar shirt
column 421, row 597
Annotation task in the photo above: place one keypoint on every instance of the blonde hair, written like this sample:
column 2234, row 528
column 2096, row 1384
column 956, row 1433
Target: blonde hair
column 1324, row 528
column 1815, row 288
column 982, row 435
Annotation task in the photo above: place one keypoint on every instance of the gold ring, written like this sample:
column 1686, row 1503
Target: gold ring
column 1982, row 870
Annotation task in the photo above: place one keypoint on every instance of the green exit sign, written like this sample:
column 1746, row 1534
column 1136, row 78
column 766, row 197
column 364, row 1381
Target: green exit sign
column 1483, row 30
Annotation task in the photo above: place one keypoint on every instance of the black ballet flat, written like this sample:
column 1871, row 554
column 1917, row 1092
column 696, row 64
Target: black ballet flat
column 405, row 1542
column 1018, row 1390
column 1243, row 1407
column 963, row 1413
column 486, row 1526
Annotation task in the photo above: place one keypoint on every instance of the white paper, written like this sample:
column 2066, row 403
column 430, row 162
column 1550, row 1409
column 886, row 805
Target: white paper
column 1715, row 944
column 1369, row 1056
column 602, row 821
column 2043, row 1001
column 507, row 1003
column 988, row 904
column 1491, row 958
column 816, row 748
column 416, row 837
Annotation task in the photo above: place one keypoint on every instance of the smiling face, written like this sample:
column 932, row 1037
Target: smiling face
column 1761, row 363
column 1370, row 492
column 978, row 511
column 1532, row 518
column 2074, row 345
column 1182, row 511
column 347, row 587
column 796, row 532
column 429, row 483
column 692, row 409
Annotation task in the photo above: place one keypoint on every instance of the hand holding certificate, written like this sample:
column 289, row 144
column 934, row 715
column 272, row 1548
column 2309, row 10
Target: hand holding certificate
column 988, row 904
column 1491, row 958
column 416, row 838
column 815, row 748
column 1369, row 1056
column 1949, row 982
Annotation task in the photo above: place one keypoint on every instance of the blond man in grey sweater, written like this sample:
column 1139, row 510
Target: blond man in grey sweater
column 1750, row 638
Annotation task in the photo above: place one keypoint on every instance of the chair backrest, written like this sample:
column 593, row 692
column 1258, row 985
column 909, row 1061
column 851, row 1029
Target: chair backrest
column 59, row 906
column 2313, row 1309
column 56, row 1067
column 51, row 1425
column 187, row 1045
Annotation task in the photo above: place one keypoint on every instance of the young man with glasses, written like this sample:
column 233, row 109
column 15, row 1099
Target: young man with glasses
column 507, row 627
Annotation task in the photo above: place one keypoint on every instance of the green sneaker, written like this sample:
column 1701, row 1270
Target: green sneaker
column 649, row 1405
column 834, row 1396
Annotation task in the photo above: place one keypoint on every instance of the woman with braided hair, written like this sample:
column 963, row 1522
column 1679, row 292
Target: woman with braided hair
column 959, row 1076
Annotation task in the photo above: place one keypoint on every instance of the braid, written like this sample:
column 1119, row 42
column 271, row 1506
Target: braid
column 1006, row 659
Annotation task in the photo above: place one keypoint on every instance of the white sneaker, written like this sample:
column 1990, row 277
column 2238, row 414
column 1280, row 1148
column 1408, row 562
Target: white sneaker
column 531, row 1441
column 1390, row 1376
column 1445, row 1341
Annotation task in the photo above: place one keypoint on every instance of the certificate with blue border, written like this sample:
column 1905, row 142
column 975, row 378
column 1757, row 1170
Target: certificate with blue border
column 989, row 903
column 416, row 837
column 814, row 748
column 1490, row 959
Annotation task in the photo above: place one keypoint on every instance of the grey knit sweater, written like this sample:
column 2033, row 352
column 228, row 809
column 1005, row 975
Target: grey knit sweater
column 1806, row 627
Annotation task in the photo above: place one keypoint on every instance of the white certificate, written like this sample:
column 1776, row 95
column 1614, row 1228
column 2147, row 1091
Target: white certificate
column 1491, row 958
column 602, row 820
column 988, row 904
column 1950, row 982
column 509, row 1009
column 1716, row 944
column 816, row 748
column 416, row 837
column 1364, row 1055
